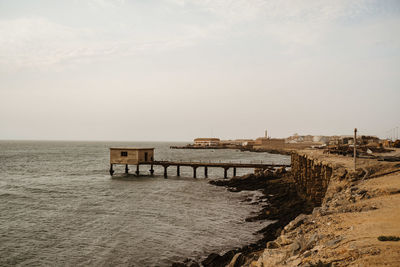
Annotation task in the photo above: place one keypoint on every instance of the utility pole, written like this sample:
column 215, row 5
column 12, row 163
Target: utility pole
column 355, row 148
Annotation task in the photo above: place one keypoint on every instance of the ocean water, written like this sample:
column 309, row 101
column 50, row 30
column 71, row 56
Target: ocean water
column 60, row 207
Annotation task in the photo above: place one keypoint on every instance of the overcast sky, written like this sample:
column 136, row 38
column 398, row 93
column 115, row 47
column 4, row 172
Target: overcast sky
column 180, row 69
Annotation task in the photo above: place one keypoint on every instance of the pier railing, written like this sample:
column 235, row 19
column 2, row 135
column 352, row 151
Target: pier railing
column 220, row 161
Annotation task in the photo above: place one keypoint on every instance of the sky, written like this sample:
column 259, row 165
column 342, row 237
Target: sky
column 174, row 70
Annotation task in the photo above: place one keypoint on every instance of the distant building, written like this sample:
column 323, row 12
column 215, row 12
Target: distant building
column 370, row 139
column 263, row 142
column 206, row 141
column 295, row 138
column 242, row 142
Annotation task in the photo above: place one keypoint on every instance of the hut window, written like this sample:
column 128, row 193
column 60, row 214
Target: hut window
column 124, row 154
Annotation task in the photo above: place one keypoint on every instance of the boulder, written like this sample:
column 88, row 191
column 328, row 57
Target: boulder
column 273, row 257
column 296, row 222
column 284, row 240
column 272, row 245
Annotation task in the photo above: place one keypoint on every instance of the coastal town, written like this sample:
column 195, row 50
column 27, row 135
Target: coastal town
column 339, row 144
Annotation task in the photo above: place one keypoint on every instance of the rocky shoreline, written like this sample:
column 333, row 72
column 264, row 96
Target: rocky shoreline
column 280, row 203
column 325, row 212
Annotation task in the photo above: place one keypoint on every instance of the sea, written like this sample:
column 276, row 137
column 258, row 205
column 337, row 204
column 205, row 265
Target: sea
column 60, row 207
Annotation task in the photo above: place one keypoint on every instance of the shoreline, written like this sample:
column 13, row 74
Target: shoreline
column 326, row 213
column 275, row 186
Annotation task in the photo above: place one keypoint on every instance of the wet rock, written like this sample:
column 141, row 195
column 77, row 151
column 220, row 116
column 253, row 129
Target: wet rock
column 237, row 260
column 278, row 231
column 281, row 171
column 186, row 263
column 210, row 259
column 268, row 173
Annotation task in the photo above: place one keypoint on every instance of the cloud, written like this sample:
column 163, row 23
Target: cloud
column 104, row 3
column 300, row 22
column 37, row 41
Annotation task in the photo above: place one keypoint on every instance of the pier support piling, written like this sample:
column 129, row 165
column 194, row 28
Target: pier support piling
column 234, row 172
column 137, row 170
column 165, row 171
column 194, row 172
column 206, row 172
column 178, row 170
column 111, row 170
column 126, row 168
column 151, row 169
column 226, row 172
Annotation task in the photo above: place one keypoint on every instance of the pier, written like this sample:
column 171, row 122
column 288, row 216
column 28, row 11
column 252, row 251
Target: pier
column 203, row 165
column 144, row 156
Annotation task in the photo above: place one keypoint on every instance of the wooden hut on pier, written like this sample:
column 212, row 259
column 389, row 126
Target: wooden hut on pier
column 130, row 156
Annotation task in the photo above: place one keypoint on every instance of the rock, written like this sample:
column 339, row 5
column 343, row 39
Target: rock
column 338, row 189
column 237, row 260
column 333, row 242
column 316, row 211
column 278, row 231
column 273, row 257
column 311, row 242
column 283, row 240
column 281, row 171
column 272, row 245
column 259, row 262
column 362, row 192
column 295, row 247
column 186, row 263
column 296, row 222
column 296, row 262
column 268, row 173
column 317, row 248
column 307, row 254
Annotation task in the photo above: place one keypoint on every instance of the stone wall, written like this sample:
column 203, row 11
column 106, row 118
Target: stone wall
column 311, row 177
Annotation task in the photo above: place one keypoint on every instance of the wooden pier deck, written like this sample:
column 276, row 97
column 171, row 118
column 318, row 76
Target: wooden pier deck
column 198, row 164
